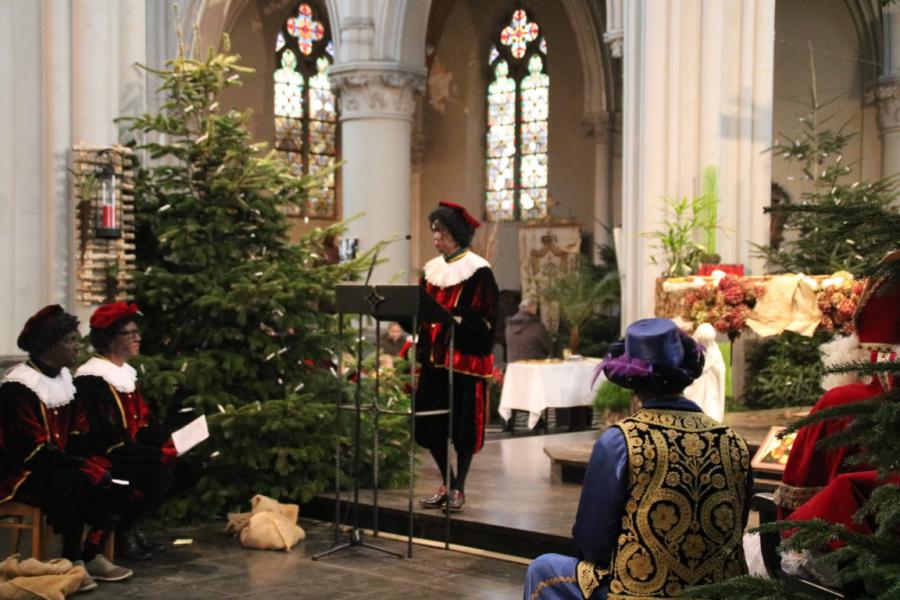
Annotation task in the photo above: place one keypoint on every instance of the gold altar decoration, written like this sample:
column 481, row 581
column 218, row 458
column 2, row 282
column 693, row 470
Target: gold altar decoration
column 103, row 196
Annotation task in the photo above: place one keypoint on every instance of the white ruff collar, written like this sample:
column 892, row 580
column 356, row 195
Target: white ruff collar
column 122, row 378
column 443, row 274
column 54, row 392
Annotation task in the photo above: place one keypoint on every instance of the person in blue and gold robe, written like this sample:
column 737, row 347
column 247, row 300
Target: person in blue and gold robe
column 666, row 493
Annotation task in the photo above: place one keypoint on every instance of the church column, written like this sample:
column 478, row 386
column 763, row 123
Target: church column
column 599, row 126
column 95, row 71
column 887, row 97
column 886, row 93
column 377, row 106
column 56, row 115
column 697, row 93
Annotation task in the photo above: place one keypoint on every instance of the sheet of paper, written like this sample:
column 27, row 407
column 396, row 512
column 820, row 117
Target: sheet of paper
column 190, row 435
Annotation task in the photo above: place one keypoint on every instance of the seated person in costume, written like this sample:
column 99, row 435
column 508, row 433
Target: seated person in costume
column 666, row 493
column 526, row 336
column 121, row 427
column 38, row 424
column 821, row 482
column 810, row 467
column 462, row 282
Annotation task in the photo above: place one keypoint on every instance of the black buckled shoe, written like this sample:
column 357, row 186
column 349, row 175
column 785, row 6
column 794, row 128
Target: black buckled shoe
column 435, row 501
column 129, row 548
column 456, row 502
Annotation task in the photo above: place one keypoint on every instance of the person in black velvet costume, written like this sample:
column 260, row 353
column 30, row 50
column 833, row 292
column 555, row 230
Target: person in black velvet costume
column 39, row 428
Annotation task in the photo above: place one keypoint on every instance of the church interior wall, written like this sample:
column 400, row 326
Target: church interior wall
column 22, row 240
column 839, row 77
column 252, row 35
column 453, row 165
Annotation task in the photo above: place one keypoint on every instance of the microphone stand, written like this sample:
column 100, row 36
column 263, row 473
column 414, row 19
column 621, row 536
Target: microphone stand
column 355, row 533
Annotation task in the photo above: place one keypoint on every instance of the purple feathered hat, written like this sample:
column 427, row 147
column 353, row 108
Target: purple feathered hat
column 655, row 357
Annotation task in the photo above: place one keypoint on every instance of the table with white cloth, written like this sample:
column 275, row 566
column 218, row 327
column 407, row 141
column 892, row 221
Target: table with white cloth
column 535, row 385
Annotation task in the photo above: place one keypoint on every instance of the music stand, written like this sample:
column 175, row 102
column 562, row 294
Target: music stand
column 395, row 303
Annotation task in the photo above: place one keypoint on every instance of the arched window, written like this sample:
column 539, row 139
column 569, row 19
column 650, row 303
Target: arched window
column 305, row 107
column 517, row 109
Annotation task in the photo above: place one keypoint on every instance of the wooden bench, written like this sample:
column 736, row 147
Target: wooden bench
column 31, row 518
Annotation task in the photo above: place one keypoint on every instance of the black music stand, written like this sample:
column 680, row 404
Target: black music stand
column 395, row 303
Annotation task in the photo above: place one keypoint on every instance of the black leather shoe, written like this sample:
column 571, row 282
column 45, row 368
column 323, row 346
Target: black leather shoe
column 435, row 501
column 128, row 547
column 456, row 501
column 145, row 543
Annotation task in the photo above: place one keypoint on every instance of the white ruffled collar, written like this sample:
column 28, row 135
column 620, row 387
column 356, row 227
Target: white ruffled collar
column 443, row 274
column 123, row 378
column 54, row 392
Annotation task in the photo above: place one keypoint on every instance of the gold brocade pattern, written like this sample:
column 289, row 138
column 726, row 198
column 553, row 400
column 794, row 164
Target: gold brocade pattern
column 686, row 495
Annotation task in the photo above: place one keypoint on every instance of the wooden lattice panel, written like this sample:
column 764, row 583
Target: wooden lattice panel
column 103, row 267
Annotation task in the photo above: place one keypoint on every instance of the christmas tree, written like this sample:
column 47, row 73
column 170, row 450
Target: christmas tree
column 852, row 227
column 236, row 324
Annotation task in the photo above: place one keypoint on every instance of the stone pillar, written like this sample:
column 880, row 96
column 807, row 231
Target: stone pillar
column 886, row 94
column 697, row 93
column 95, row 71
column 377, row 106
column 599, row 127
column 56, row 117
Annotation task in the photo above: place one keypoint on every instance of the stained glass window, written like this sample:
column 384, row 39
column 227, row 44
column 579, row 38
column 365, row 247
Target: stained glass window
column 306, row 119
column 518, row 99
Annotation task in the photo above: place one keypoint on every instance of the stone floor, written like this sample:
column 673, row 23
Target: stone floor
column 216, row 566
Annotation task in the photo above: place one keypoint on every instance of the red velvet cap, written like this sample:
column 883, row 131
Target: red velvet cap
column 877, row 318
column 472, row 221
column 37, row 319
column 108, row 314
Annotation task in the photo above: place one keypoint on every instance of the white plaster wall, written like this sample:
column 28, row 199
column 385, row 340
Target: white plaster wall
column 21, row 232
column 839, row 76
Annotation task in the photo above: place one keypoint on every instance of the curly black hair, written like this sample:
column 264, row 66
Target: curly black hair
column 455, row 224
column 102, row 338
column 40, row 334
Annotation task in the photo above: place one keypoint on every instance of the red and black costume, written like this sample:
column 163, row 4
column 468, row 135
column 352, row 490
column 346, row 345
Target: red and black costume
column 39, row 428
column 464, row 285
column 121, row 427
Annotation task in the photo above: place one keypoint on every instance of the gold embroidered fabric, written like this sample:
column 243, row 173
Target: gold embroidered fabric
column 588, row 577
column 791, row 497
column 686, row 493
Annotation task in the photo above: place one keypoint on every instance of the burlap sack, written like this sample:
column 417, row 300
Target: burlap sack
column 35, row 580
column 270, row 526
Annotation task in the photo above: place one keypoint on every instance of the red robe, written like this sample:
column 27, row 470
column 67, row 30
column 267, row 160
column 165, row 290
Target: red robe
column 810, row 468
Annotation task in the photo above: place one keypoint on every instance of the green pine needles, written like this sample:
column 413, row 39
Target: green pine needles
column 236, row 317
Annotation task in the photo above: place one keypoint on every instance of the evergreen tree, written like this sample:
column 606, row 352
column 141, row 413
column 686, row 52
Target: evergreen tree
column 850, row 227
column 234, row 320
column 843, row 242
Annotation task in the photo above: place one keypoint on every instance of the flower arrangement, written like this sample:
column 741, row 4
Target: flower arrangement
column 725, row 305
column 838, row 303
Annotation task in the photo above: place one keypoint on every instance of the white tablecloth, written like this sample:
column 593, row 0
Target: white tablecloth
column 534, row 386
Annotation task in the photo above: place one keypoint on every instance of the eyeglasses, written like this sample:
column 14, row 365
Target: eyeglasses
column 132, row 333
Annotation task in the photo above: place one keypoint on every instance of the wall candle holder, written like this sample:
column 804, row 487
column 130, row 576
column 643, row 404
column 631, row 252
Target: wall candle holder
column 108, row 220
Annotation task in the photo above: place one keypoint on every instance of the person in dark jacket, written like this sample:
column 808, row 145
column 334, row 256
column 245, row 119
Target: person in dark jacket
column 40, row 427
column 526, row 336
